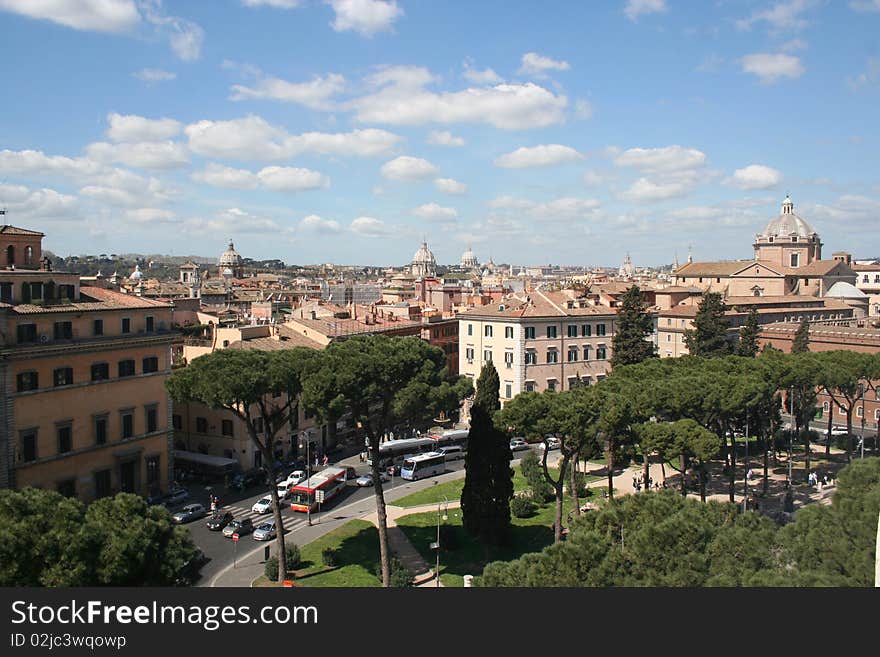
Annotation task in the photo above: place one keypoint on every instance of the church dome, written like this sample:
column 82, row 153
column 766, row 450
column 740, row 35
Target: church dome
column 844, row 290
column 136, row 275
column 469, row 260
column 424, row 256
column 788, row 224
column 229, row 258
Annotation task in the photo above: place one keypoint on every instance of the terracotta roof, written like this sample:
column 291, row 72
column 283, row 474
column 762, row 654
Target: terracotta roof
column 722, row 268
column 679, row 289
column 865, row 267
column 94, row 299
column 13, row 230
column 541, row 304
column 818, row 330
column 288, row 341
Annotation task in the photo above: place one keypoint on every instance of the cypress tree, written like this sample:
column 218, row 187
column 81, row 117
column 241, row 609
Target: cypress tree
column 488, row 483
column 633, row 326
column 748, row 335
column 709, row 335
column 801, row 342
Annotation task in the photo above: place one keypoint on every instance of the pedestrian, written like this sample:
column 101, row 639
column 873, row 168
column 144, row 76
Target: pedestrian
column 326, row 460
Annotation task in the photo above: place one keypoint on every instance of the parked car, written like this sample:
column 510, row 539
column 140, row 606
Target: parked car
column 394, row 470
column 265, row 532
column 452, row 452
column 189, row 513
column 838, row 431
column 263, row 505
column 240, row 526
column 367, row 479
column 553, row 442
column 176, row 497
column 350, row 473
column 518, row 444
column 218, row 522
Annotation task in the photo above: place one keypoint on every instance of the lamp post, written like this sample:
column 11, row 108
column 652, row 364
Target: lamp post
column 862, row 440
column 746, row 472
column 436, row 546
column 790, row 434
column 304, row 438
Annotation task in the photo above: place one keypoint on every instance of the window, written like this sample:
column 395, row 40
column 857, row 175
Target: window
column 824, row 407
column 530, row 386
column 470, row 329
column 258, row 425
column 201, row 425
column 572, row 354
column 795, row 258
column 6, row 292
column 152, row 417
column 63, row 376
column 151, row 324
column 552, row 356
column 840, row 411
column 586, row 352
column 126, row 368
column 668, row 321
column 36, row 290
column 100, row 371
column 600, row 329
column 488, row 331
column 551, row 384
column 487, row 355
column 600, row 353
column 469, row 354
column 67, row 487
column 151, row 364
column 586, row 330
column 152, row 463
column 27, row 381
column 66, row 292
column 177, row 421
column 26, row 333
column 226, row 427
column 508, row 331
column 551, row 331
column 508, row 358
column 29, row 445
column 572, row 382
column 65, row 437
column 508, row 390
column 572, row 330
column 877, row 415
column 98, row 327
column 127, row 418
column 531, row 357
column 586, row 380
column 126, row 325
column 530, row 332
column 101, row 422
column 63, row 330
column 859, row 411
column 102, row 483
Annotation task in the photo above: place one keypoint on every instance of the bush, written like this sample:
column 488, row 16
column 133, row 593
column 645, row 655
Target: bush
column 521, row 507
column 533, row 473
column 271, row 569
column 400, row 577
column 580, row 482
column 329, row 556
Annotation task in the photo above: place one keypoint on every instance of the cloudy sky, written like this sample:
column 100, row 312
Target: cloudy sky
column 345, row 130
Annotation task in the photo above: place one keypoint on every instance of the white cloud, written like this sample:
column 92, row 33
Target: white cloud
column 754, row 176
column 769, row 67
column 583, row 109
column 408, row 168
column 444, row 138
column 538, row 156
column 38, row 163
column 402, row 77
column 560, row 208
column 366, row 17
column 437, row 213
column 368, row 227
column 274, row 178
column 154, row 75
column 538, row 65
column 27, row 204
column 134, row 128
column 636, row 8
column 782, row 16
column 594, row 178
column 484, row 77
column 644, row 190
column 145, row 154
column 661, row 160
column 450, row 186
column 150, row 216
column 793, row 45
column 319, row 225
column 239, row 222
column 277, row 4
column 124, row 188
column 185, row 37
column 315, row 94
column 869, row 77
column 253, row 138
column 505, row 106
column 114, row 16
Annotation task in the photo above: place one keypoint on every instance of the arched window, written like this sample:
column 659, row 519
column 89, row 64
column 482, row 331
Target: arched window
column 29, row 255
column 10, row 255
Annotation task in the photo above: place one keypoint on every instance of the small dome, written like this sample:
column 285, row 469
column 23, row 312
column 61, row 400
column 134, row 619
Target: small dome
column 788, row 223
column 469, row 260
column 230, row 257
column 136, row 275
column 844, row 290
column 227, row 272
column 424, row 255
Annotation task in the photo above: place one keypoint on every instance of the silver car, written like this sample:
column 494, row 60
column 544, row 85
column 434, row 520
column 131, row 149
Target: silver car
column 265, row 532
column 189, row 513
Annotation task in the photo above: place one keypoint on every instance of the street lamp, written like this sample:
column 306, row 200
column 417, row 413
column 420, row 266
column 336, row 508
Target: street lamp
column 304, row 438
column 436, row 546
column 746, row 473
column 790, row 434
column 862, row 441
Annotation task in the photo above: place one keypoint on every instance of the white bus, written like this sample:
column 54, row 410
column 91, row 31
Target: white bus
column 393, row 452
column 423, row 465
column 456, row 437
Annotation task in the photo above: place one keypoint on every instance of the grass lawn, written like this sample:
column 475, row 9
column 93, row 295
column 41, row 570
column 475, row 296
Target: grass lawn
column 357, row 543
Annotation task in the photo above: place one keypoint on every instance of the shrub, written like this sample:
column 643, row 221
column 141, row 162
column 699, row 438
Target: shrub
column 521, row 507
column 400, row 577
column 533, row 473
column 329, row 556
column 580, row 482
column 292, row 554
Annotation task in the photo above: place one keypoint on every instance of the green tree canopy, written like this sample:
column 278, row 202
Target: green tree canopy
column 748, row 335
column 709, row 336
column 628, row 344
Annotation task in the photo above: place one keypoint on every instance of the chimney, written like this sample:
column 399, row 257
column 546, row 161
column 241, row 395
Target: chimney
column 313, row 314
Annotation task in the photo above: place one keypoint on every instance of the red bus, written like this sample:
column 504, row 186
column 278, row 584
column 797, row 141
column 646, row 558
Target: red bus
column 329, row 480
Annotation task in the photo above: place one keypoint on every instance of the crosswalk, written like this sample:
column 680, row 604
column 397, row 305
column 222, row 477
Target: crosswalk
column 291, row 519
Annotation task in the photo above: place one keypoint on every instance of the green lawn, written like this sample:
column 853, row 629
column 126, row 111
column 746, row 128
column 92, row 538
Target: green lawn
column 357, row 542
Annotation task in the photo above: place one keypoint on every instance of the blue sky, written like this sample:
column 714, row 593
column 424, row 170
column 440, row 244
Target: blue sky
column 346, row 130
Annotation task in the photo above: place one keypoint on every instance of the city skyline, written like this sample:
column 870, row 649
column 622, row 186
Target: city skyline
column 345, row 131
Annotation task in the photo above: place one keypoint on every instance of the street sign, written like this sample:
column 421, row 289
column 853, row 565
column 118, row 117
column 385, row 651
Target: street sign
column 319, row 496
column 235, row 537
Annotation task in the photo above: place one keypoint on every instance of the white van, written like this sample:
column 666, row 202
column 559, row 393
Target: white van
column 452, row 452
